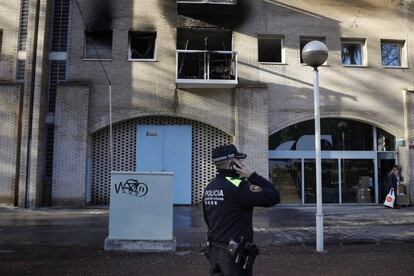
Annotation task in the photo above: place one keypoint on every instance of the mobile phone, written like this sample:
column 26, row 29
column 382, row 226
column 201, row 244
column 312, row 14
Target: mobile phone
column 233, row 166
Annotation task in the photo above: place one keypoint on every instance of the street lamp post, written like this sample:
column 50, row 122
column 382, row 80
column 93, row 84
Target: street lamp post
column 314, row 54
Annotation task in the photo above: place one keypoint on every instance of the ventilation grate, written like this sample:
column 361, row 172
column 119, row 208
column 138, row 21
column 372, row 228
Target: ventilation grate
column 57, row 73
column 21, row 67
column 24, row 21
column 204, row 139
column 50, row 133
column 60, row 27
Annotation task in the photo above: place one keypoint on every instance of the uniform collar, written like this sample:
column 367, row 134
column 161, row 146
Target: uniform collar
column 226, row 173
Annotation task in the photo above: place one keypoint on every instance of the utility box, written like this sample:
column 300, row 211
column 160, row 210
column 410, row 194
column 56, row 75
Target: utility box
column 141, row 212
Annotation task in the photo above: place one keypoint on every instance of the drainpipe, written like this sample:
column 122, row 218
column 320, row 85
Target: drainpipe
column 408, row 151
column 406, row 7
column 18, row 146
column 30, row 119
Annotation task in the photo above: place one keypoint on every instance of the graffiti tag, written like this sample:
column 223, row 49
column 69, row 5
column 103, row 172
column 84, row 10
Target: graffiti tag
column 132, row 187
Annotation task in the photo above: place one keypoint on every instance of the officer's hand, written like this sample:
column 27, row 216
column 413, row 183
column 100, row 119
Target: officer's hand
column 242, row 170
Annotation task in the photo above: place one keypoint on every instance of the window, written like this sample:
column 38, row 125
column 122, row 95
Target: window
column 24, row 19
column 142, row 45
column 205, row 54
column 392, row 53
column 20, row 70
column 385, row 141
column 336, row 134
column 352, row 52
column 208, row 1
column 305, row 39
column 98, row 45
column 204, row 39
column 270, row 49
column 60, row 25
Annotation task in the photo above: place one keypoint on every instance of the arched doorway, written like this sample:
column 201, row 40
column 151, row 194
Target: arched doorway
column 204, row 139
column 356, row 158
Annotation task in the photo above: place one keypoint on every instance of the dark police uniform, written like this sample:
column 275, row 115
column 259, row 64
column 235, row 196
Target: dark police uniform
column 228, row 203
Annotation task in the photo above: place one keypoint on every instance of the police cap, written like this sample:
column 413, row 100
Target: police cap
column 227, row 152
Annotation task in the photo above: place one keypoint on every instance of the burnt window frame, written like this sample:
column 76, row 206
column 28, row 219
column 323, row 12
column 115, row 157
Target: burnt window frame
column 402, row 53
column 282, row 48
column 154, row 58
column 309, row 39
column 86, row 32
column 224, row 2
column 364, row 56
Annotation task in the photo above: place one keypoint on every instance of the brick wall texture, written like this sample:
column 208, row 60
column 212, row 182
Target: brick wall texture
column 70, row 147
column 9, row 25
column 270, row 96
column 9, row 115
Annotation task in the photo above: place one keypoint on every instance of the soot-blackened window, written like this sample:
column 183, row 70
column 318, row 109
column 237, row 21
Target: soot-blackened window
column 142, row 45
column 204, row 39
column 98, row 45
column 270, row 49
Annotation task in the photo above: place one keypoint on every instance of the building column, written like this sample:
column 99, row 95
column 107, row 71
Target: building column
column 10, row 111
column 70, row 168
column 33, row 108
column 251, row 126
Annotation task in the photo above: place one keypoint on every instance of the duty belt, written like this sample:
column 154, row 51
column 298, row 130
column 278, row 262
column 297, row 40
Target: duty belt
column 222, row 245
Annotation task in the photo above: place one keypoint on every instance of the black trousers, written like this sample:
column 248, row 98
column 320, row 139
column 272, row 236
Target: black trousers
column 222, row 264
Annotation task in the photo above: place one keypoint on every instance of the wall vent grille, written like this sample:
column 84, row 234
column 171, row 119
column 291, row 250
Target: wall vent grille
column 60, row 27
column 57, row 73
column 24, row 22
column 21, row 67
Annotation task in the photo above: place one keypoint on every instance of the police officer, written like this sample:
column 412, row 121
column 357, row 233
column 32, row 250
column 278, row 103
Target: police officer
column 228, row 202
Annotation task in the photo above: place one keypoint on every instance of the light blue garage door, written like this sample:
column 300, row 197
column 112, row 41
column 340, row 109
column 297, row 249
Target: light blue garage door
column 167, row 148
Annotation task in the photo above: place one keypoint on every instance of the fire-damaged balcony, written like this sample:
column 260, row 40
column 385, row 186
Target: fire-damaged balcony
column 205, row 59
column 187, row 7
column 208, row 69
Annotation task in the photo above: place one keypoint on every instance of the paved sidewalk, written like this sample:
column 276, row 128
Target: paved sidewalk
column 281, row 225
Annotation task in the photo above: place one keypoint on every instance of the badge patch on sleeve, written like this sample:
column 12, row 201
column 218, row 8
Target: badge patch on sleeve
column 255, row 189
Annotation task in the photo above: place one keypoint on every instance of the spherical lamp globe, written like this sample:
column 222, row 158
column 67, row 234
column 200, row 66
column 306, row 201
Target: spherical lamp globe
column 315, row 53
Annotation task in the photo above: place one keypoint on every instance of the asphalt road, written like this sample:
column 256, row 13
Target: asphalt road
column 368, row 240
column 356, row 259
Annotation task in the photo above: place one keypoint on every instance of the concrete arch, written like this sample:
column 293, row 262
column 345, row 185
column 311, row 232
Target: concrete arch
column 204, row 138
column 397, row 132
column 104, row 122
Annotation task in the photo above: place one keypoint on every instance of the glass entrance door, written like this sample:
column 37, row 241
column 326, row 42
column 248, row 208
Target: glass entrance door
column 356, row 159
column 384, row 167
column 357, row 181
column 286, row 174
column 330, row 184
column 344, row 179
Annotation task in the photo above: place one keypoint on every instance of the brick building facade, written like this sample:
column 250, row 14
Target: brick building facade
column 201, row 63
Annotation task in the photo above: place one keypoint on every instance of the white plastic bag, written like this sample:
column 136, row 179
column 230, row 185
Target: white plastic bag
column 390, row 199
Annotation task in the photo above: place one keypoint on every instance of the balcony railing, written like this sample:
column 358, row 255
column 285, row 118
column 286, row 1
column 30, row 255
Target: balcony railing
column 206, row 69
